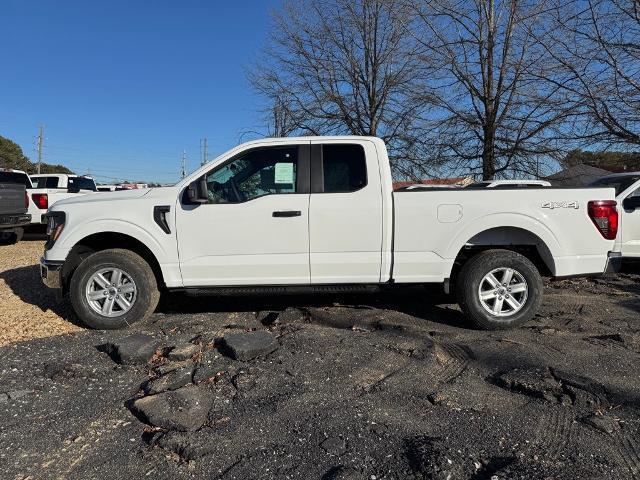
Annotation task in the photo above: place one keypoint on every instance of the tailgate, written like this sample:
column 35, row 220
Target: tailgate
column 12, row 199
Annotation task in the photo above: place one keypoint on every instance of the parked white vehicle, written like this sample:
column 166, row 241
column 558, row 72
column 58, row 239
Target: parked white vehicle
column 52, row 187
column 318, row 214
column 627, row 187
column 510, row 184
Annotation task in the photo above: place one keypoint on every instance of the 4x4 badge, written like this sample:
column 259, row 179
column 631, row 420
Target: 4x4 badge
column 553, row 205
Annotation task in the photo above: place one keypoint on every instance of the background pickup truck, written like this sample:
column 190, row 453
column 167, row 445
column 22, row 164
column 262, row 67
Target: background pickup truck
column 13, row 211
column 319, row 214
column 627, row 186
column 49, row 188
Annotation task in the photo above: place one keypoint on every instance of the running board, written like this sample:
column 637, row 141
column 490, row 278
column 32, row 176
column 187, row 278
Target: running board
column 279, row 290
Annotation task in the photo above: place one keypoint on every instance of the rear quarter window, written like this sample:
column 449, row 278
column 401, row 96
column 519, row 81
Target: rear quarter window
column 344, row 168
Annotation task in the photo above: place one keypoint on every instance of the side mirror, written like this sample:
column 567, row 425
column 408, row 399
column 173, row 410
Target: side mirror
column 197, row 191
column 631, row 203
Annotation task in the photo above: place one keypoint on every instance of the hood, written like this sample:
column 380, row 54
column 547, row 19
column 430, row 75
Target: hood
column 98, row 197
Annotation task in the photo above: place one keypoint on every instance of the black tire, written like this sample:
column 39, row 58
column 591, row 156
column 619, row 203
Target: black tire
column 19, row 232
column 9, row 237
column 135, row 267
column 473, row 272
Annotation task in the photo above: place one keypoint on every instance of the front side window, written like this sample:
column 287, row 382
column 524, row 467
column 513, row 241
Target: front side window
column 344, row 168
column 264, row 171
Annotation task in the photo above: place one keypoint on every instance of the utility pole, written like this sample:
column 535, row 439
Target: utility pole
column 39, row 146
column 205, row 153
column 183, row 173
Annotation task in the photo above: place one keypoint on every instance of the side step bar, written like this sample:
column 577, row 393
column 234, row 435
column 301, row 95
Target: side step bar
column 280, row 290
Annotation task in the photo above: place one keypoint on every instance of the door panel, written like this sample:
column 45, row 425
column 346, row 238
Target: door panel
column 345, row 227
column 255, row 229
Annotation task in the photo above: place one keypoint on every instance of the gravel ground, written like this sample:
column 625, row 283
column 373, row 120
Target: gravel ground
column 360, row 387
column 28, row 309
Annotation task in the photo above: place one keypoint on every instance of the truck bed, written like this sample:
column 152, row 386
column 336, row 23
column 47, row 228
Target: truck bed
column 432, row 227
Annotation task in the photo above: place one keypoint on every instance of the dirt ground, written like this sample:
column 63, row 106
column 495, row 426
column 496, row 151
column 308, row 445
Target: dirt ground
column 35, row 312
column 360, row 387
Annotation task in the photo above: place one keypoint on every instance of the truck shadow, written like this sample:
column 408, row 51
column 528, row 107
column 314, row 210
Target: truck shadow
column 346, row 310
column 420, row 303
column 25, row 283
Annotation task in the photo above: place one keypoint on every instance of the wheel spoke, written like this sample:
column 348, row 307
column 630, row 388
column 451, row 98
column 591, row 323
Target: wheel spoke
column 96, row 295
column 116, row 277
column 107, row 306
column 518, row 287
column 492, row 280
column 127, row 288
column 123, row 303
column 101, row 280
column 497, row 306
column 488, row 295
column 513, row 303
column 508, row 275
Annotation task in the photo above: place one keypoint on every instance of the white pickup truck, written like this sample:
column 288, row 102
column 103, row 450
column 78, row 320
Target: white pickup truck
column 627, row 186
column 319, row 214
column 49, row 188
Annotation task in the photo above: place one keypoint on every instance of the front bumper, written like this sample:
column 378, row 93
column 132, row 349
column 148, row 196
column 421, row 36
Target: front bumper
column 51, row 273
column 614, row 262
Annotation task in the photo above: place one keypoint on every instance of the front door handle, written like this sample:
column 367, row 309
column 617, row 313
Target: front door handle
column 287, row 213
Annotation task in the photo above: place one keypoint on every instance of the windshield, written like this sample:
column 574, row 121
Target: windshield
column 15, row 177
column 82, row 183
column 620, row 183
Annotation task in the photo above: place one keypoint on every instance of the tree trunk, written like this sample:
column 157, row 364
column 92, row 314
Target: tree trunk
column 488, row 154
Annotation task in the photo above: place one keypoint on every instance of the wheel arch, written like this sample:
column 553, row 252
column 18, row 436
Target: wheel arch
column 517, row 239
column 106, row 240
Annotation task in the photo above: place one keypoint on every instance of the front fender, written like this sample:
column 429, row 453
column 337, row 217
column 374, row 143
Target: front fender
column 69, row 239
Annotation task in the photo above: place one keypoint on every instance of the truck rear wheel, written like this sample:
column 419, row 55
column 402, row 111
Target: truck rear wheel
column 499, row 289
column 112, row 289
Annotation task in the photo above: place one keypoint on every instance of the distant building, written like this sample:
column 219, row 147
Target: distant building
column 578, row 176
column 457, row 181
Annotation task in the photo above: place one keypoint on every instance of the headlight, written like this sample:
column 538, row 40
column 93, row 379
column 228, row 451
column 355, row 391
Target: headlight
column 55, row 225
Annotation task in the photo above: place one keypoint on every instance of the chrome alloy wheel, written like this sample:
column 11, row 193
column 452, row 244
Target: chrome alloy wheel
column 503, row 292
column 111, row 292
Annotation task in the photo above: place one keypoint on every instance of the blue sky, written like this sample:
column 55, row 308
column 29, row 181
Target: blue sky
column 124, row 86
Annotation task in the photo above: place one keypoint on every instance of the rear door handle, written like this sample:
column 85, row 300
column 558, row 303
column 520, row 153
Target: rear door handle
column 287, row 213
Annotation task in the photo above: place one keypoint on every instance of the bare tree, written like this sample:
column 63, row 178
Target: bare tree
column 491, row 113
column 596, row 44
column 341, row 67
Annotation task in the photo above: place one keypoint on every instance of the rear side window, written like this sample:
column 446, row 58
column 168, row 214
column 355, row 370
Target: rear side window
column 45, row 182
column 82, row 183
column 344, row 168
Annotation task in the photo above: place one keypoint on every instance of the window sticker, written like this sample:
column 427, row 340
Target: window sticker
column 284, row 173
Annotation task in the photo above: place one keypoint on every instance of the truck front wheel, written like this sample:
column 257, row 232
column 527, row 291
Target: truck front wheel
column 499, row 289
column 112, row 289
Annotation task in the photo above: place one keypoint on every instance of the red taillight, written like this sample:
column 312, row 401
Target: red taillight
column 41, row 200
column 26, row 200
column 604, row 215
